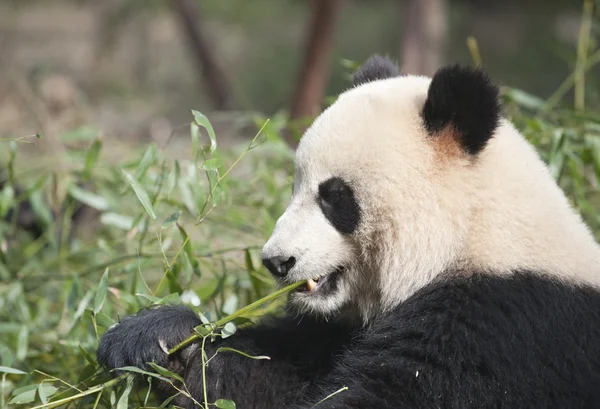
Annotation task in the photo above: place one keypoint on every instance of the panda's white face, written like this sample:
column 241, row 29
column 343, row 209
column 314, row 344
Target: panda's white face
column 365, row 193
column 400, row 181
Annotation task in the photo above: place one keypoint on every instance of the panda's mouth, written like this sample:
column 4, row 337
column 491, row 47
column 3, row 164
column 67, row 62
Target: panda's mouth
column 322, row 285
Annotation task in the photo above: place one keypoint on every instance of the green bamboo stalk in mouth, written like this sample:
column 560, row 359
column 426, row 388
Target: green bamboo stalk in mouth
column 239, row 313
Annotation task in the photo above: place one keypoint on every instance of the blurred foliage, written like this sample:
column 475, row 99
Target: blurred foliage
column 260, row 43
column 60, row 290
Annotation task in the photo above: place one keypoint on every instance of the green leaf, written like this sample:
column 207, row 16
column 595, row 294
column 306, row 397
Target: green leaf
column 40, row 207
column 173, row 218
column 124, row 399
column 81, row 308
column 87, row 355
column 141, row 194
column 86, row 373
column 524, row 99
column 203, row 318
column 13, row 371
column 225, row 404
column 173, row 298
column 142, row 372
column 117, row 220
column 185, row 194
column 195, row 135
column 189, row 250
column 91, row 158
column 7, row 197
column 149, row 297
column 212, row 164
column 104, row 320
column 25, row 397
column 174, row 285
column 147, row 160
column 26, row 388
column 228, row 330
column 165, row 372
column 257, row 357
column 203, row 330
column 91, row 199
column 558, row 152
column 256, row 284
column 167, row 401
column 215, row 186
column 203, row 121
column 26, row 394
column 230, row 304
column 45, row 391
column 22, row 343
column 74, row 293
column 101, row 292
column 13, row 154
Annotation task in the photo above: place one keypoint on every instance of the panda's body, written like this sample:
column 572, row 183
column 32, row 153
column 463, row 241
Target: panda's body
column 445, row 268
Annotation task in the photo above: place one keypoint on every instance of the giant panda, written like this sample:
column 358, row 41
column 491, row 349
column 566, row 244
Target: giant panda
column 444, row 266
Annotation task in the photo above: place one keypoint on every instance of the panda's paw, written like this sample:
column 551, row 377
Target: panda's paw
column 146, row 337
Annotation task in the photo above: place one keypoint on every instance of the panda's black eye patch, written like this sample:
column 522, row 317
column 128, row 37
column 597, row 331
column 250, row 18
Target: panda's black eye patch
column 338, row 204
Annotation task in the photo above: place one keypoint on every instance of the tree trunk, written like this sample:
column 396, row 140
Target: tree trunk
column 219, row 88
column 310, row 89
column 425, row 35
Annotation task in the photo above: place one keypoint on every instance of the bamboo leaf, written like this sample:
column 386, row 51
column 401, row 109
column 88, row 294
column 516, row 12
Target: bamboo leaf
column 169, row 221
column 189, row 250
column 91, row 158
column 101, row 292
column 257, row 357
column 203, row 121
column 165, row 372
column 225, row 404
column 212, row 164
column 12, row 371
column 124, row 399
column 147, row 160
column 91, row 199
column 141, row 193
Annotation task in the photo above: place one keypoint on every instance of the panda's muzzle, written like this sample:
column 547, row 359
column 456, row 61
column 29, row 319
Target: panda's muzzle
column 280, row 266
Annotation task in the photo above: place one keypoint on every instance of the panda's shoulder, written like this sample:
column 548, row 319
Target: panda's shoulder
column 524, row 340
column 487, row 315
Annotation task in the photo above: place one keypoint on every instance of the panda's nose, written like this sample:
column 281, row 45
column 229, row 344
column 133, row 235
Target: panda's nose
column 279, row 266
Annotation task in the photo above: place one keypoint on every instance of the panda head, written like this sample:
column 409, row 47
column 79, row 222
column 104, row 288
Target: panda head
column 402, row 179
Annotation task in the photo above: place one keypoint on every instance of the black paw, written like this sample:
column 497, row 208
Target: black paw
column 143, row 338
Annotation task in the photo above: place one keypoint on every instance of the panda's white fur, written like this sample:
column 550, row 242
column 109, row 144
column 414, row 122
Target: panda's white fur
column 429, row 207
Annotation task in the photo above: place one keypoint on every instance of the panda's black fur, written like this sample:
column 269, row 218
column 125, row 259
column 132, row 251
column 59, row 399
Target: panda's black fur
column 481, row 339
column 473, row 342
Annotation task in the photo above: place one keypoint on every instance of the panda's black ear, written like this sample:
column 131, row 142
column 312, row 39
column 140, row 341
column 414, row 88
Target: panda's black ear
column 375, row 68
column 464, row 100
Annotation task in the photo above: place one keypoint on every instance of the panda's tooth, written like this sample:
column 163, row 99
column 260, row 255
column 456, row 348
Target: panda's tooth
column 311, row 284
column 316, row 280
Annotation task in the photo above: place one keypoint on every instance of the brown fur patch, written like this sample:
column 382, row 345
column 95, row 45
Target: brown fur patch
column 447, row 144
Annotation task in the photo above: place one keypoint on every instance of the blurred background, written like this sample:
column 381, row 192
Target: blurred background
column 135, row 67
column 146, row 148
